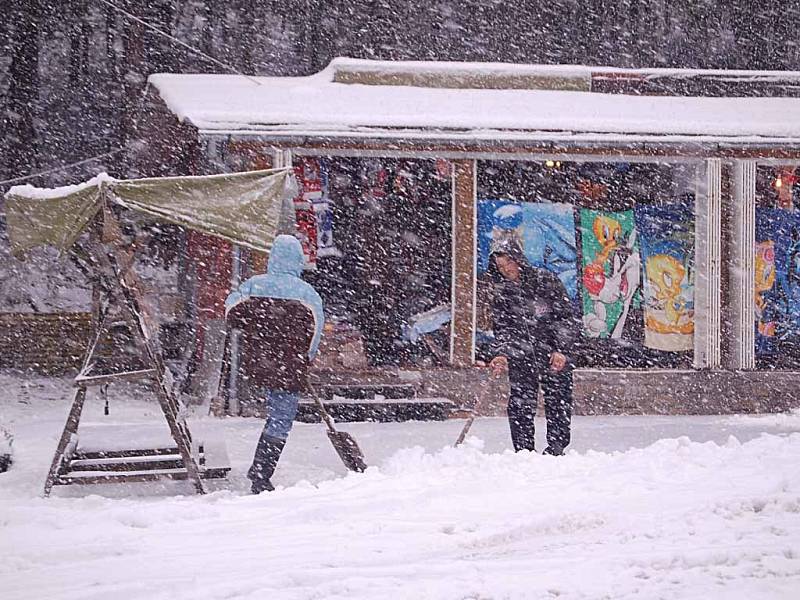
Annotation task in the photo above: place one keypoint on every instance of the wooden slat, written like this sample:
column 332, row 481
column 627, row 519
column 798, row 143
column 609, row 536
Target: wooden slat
column 117, row 465
column 92, row 380
column 70, row 429
column 94, row 477
column 98, row 454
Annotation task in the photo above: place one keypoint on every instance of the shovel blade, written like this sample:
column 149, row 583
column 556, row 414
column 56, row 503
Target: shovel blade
column 348, row 450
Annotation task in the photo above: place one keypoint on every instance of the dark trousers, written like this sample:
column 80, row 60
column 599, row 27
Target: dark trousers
column 525, row 379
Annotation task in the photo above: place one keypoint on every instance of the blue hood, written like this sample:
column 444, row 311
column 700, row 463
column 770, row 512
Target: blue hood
column 283, row 280
column 286, row 257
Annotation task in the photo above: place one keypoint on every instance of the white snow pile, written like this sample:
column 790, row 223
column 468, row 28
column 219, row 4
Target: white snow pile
column 6, row 443
column 677, row 519
column 31, row 191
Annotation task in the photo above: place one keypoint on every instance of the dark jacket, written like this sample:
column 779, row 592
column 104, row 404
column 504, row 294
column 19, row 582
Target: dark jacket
column 533, row 317
column 280, row 320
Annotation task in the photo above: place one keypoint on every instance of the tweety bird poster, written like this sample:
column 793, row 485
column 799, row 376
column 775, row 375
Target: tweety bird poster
column 667, row 253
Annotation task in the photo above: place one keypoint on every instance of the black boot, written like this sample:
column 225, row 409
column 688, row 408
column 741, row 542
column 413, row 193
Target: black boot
column 521, row 423
column 266, row 458
column 553, row 451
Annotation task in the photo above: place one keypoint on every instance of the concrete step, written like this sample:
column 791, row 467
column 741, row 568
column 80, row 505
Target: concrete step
column 380, row 410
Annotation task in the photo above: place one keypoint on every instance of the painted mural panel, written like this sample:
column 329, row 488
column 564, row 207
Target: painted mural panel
column 667, row 249
column 545, row 231
column 611, row 271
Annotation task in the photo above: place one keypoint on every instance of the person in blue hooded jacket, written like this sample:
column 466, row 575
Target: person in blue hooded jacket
column 280, row 319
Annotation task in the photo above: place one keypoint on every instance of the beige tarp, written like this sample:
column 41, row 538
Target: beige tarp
column 248, row 209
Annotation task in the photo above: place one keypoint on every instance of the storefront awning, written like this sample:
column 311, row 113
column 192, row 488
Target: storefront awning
column 244, row 208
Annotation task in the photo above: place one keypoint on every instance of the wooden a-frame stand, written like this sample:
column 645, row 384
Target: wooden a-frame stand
column 104, row 259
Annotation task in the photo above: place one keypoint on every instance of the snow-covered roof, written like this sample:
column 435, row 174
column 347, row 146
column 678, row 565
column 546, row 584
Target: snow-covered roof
column 322, row 105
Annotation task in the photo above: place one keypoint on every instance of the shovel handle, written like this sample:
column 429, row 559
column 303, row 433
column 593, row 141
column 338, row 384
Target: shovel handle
column 323, row 411
column 470, row 420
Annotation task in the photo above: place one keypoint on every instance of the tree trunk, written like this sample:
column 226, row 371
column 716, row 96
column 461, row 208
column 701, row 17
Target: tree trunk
column 19, row 120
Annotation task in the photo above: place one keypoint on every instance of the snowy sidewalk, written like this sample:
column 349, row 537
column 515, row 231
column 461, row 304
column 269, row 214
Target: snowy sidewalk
column 712, row 512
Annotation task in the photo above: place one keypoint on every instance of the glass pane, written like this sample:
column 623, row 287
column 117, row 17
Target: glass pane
column 777, row 267
column 382, row 261
column 619, row 236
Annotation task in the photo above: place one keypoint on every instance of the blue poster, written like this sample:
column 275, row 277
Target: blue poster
column 666, row 242
column 545, row 231
column 777, row 278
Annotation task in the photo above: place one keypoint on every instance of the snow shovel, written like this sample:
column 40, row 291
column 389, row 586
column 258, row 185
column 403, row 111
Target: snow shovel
column 344, row 444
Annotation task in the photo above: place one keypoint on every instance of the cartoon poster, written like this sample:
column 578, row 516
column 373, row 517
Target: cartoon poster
column 777, row 278
column 667, row 248
column 545, row 232
column 611, row 271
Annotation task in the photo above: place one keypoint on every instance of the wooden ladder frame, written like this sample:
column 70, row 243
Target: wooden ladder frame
column 109, row 263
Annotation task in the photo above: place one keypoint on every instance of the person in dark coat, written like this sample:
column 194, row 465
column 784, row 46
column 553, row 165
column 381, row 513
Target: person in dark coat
column 280, row 320
column 535, row 329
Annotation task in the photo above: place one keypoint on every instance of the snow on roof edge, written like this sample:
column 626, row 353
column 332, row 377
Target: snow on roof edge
column 456, row 67
column 38, row 193
column 319, row 103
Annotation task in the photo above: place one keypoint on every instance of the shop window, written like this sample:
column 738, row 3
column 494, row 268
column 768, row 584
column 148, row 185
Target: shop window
column 379, row 234
column 777, row 267
column 620, row 237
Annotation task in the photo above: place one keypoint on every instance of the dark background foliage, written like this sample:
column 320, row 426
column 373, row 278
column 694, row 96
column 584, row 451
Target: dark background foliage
column 72, row 71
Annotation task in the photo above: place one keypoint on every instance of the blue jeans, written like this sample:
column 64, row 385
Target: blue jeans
column 281, row 410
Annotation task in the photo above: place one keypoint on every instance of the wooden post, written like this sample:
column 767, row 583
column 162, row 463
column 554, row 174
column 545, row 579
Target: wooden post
column 464, row 263
column 70, row 430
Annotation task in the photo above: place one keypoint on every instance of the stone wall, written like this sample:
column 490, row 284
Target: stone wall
column 655, row 392
column 611, row 391
column 55, row 344
column 47, row 343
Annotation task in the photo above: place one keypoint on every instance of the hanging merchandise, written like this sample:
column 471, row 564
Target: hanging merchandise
column 307, row 234
column 310, row 172
column 307, row 172
column 374, row 178
column 324, row 220
column 323, row 210
column 777, row 278
column 667, row 248
column 611, row 271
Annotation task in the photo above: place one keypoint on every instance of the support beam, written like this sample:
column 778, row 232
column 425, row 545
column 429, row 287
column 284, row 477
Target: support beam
column 708, row 266
column 740, row 299
column 464, row 263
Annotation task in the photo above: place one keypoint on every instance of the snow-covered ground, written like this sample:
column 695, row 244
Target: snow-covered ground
column 642, row 507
